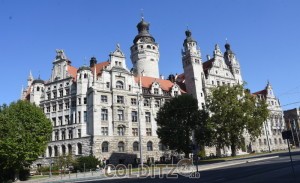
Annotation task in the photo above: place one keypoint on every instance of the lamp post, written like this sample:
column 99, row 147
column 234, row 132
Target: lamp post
column 267, row 136
column 140, row 133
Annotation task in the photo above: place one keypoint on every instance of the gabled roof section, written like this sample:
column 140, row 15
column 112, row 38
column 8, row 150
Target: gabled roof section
column 72, row 71
column 147, row 82
column 99, row 67
column 261, row 92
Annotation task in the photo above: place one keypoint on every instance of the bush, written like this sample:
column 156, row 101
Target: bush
column 87, row 162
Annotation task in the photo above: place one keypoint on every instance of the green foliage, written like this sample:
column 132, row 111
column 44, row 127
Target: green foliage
column 233, row 112
column 89, row 162
column 176, row 120
column 25, row 131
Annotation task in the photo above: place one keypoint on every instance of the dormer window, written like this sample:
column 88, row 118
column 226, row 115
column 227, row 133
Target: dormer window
column 119, row 85
column 156, row 91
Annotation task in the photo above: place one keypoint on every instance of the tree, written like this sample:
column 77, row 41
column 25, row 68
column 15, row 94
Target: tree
column 235, row 111
column 25, row 131
column 176, row 120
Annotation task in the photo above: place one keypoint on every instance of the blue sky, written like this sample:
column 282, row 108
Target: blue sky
column 265, row 35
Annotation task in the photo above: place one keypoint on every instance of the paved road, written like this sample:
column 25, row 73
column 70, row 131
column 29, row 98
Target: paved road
column 276, row 170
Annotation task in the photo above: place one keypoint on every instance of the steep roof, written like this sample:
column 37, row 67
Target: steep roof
column 99, row 67
column 72, row 71
column 263, row 92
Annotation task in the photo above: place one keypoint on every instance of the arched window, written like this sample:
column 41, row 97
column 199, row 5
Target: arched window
column 153, row 47
column 85, row 75
column 105, row 146
column 38, row 89
column 148, row 46
column 79, row 148
column 280, row 141
column 121, row 130
column 119, row 85
column 275, row 141
column 50, row 151
column 55, row 151
column 149, row 146
column 135, row 146
column 63, row 149
column 121, row 146
column 69, row 148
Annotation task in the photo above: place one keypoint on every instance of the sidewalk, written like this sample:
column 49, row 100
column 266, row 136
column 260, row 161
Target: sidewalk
column 99, row 175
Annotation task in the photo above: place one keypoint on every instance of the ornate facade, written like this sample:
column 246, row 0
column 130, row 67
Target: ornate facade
column 95, row 109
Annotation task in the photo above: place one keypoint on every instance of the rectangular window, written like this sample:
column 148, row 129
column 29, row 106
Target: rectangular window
column 129, row 87
column 60, row 107
column 63, row 135
column 104, row 114
column 104, row 98
column 104, row 131
column 79, row 117
column 134, row 116
column 67, row 105
column 79, row 101
column 48, row 108
column 133, row 101
column 54, row 107
column 148, row 116
column 156, row 91
column 85, row 116
column 56, row 135
column 218, row 83
column 67, row 91
column 84, row 100
column 157, row 103
column 67, row 120
column 48, row 96
column 60, row 121
column 120, row 99
column 135, row 132
column 61, row 93
column 120, row 115
column 71, row 120
column 54, row 94
column 107, row 85
column 146, row 102
column 175, row 93
column 79, row 133
column 70, row 134
column 148, row 131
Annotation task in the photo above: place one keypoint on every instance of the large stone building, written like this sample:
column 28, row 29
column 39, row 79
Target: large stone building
column 292, row 121
column 95, row 109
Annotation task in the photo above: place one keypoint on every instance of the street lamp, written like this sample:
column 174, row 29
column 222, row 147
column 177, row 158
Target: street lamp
column 139, row 124
column 267, row 136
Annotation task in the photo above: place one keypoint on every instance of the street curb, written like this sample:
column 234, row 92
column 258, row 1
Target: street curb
column 237, row 163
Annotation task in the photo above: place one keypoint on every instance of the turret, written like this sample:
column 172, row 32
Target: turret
column 144, row 52
column 193, row 70
column 233, row 64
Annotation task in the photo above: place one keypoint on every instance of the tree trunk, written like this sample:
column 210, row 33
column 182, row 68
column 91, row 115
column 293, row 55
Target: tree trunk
column 233, row 150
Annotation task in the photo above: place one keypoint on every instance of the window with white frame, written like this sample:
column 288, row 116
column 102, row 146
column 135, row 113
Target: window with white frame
column 120, row 99
column 120, row 115
column 121, row 130
column 148, row 117
column 104, row 98
column 104, row 114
